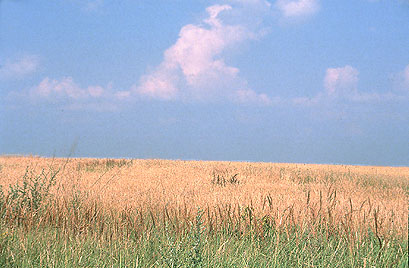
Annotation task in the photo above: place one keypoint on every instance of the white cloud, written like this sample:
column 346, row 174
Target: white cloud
column 65, row 88
column 405, row 78
column 122, row 95
column 161, row 84
column 194, row 66
column 16, row 69
column 95, row 91
column 250, row 96
column 67, row 94
column 401, row 82
column 213, row 12
column 341, row 82
column 94, row 5
column 298, row 8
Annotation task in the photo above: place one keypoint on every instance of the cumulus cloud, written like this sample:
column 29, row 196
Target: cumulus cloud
column 123, row 94
column 68, row 94
column 250, row 96
column 67, row 89
column 403, row 80
column 341, row 82
column 161, row 84
column 194, row 66
column 64, row 88
column 298, row 8
column 19, row 68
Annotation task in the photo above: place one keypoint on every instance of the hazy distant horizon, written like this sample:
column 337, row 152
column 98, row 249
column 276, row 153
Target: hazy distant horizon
column 197, row 160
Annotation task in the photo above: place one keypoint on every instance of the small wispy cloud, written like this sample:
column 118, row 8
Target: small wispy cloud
column 64, row 88
column 23, row 66
column 297, row 8
column 67, row 89
column 341, row 82
column 406, row 77
column 68, row 94
column 250, row 96
column 402, row 80
column 123, row 95
column 93, row 5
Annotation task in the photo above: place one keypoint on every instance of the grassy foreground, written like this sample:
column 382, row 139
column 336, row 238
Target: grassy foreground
column 57, row 213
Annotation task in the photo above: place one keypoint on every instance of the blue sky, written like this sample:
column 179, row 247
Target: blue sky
column 306, row 81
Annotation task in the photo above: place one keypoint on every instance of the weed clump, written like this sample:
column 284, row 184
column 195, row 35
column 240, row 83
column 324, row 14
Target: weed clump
column 24, row 200
column 224, row 179
column 106, row 164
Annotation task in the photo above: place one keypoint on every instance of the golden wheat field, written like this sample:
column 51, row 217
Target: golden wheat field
column 356, row 197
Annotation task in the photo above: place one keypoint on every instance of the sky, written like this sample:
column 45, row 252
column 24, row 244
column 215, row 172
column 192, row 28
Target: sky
column 300, row 81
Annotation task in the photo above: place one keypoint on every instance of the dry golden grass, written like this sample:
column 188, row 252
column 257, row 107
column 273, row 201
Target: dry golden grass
column 352, row 197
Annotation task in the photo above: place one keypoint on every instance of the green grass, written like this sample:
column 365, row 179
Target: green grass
column 48, row 247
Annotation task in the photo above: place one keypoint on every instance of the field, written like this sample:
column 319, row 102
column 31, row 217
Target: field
column 163, row 213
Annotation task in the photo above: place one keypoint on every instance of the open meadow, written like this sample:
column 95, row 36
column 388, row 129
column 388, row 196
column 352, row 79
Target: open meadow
column 165, row 213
